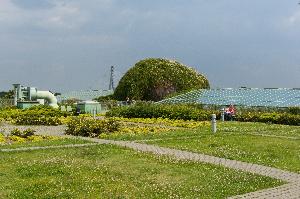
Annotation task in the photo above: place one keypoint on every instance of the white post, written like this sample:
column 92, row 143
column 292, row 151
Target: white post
column 222, row 114
column 214, row 123
column 94, row 113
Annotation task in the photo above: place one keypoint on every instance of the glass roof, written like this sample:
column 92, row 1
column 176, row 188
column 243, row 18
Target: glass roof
column 270, row 97
column 83, row 95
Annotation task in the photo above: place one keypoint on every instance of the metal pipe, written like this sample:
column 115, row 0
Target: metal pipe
column 46, row 95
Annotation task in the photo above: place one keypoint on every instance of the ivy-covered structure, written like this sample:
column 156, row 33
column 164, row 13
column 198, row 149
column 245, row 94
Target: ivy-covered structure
column 155, row 78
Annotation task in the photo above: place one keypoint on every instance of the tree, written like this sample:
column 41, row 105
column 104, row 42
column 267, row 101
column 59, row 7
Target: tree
column 154, row 78
column 7, row 94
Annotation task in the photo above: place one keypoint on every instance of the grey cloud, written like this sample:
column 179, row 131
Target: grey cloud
column 235, row 43
column 34, row 4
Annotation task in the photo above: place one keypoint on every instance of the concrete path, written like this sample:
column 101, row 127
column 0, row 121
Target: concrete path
column 6, row 128
column 291, row 190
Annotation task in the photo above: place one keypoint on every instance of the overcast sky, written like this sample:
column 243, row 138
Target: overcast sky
column 64, row 45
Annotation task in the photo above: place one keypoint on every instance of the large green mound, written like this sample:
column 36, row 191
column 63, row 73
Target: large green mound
column 153, row 79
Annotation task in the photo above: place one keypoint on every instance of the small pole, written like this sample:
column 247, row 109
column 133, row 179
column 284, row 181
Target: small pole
column 214, row 123
column 94, row 113
column 222, row 114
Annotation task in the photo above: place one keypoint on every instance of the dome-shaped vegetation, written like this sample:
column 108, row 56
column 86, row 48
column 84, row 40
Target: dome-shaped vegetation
column 153, row 79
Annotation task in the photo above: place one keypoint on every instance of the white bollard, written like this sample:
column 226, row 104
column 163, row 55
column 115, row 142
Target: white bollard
column 94, row 113
column 214, row 123
column 222, row 114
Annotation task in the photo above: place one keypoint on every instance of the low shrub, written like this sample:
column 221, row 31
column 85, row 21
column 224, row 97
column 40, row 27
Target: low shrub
column 17, row 136
column 294, row 110
column 48, row 111
column 2, row 138
column 198, row 113
column 129, row 131
column 16, row 132
column 36, row 115
column 274, row 118
column 10, row 113
column 165, row 122
column 16, row 139
column 88, row 127
column 32, row 119
column 171, row 111
column 23, row 134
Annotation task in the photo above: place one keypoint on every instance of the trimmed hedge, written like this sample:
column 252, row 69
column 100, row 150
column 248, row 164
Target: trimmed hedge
column 274, row 118
column 36, row 115
column 196, row 112
column 32, row 119
column 150, row 110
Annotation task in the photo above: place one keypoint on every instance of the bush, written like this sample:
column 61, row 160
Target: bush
column 171, row 111
column 198, row 113
column 46, row 111
column 10, row 113
column 2, row 138
column 87, row 127
column 25, row 134
column 36, row 115
column 32, row 119
column 153, row 79
column 294, row 110
column 275, row 118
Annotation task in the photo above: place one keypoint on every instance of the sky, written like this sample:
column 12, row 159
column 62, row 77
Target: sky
column 64, row 45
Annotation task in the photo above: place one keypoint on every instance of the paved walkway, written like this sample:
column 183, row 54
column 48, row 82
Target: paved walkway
column 291, row 190
column 6, row 128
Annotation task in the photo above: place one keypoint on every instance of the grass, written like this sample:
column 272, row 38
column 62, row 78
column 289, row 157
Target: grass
column 271, row 145
column 248, row 128
column 260, row 128
column 106, row 171
column 275, row 152
column 54, row 141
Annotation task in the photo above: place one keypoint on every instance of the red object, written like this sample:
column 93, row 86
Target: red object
column 230, row 110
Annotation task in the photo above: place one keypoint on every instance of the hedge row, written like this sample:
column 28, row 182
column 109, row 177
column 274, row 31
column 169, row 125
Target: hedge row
column 37, row 115
column 289, row 110
column 274, row 118
column 196, row 112
column 151, row 110
column 31, row 119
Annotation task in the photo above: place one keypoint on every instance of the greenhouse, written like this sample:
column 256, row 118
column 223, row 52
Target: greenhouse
column 266, row 97
column 83, row 95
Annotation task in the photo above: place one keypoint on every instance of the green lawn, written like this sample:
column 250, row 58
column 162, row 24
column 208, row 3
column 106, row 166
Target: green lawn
column 51, row 142
column 227, row 128
column 106, row 171
column 265, row 144
column 260, row 128
column 271, row 145
column 275, row 152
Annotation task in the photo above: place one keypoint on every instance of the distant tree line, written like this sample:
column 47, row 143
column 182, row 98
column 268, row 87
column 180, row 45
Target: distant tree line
column 7, row 94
